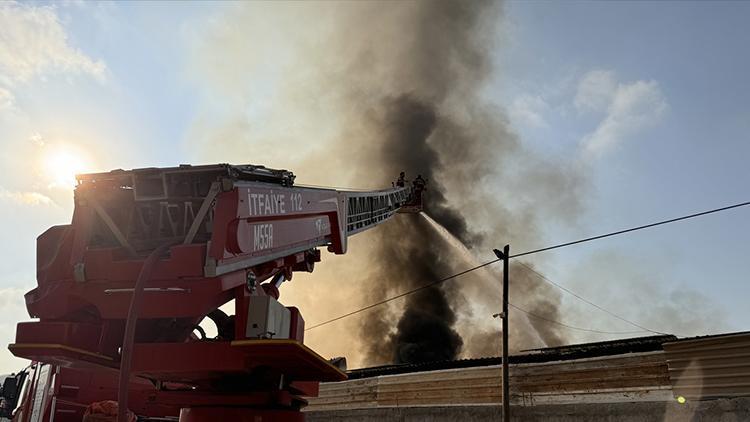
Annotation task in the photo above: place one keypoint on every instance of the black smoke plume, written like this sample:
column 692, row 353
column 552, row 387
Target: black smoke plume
column 407, row 246
column 375, row 89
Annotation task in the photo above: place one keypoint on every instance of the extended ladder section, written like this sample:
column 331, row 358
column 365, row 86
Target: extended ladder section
column 368, row 209
column 246, row 215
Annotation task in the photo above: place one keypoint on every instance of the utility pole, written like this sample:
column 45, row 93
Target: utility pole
column 504, row 255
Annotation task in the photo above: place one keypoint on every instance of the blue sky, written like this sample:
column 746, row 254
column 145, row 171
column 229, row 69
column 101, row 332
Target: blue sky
column 648, row 100
column 686, row 149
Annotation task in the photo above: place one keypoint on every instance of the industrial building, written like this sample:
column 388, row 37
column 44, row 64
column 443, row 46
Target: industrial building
column 658, row 378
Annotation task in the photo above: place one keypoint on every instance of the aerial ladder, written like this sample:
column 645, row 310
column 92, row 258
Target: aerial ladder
column 152, row 252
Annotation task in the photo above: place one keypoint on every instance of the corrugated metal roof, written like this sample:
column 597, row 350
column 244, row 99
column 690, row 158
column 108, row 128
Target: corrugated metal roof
column 567, row 352
column 710, row 367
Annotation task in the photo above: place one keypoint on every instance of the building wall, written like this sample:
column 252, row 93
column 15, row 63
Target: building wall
column 629, row 378
column 721, row 410
column 709, row 367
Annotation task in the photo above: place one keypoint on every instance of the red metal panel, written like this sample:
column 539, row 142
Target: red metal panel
column 259, row 221
column 187, row 362
column 73, row 390
column 79, row 335
column 297, row 330
column 225, row 212
column 105, row 264
column 264, row 237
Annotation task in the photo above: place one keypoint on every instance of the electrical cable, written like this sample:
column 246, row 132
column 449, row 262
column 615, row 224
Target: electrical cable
column 401, row 295
column 644, row 329
column 572, row 326
column 632, row 229
column 535, row 251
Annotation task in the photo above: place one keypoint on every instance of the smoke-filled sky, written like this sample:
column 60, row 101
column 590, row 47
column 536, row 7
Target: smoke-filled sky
column 579, row 118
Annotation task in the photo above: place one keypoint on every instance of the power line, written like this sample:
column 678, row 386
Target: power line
column 644, row 329
column 406, row 293
column 646, row 226
column 548, row 248
column 572, row 327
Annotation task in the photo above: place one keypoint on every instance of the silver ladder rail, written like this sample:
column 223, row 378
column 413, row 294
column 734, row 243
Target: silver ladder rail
column 368, row 209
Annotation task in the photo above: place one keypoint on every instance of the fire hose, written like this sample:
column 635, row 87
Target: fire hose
column 127, row 342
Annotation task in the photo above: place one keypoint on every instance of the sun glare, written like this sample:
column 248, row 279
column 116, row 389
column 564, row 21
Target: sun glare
column 61, row 167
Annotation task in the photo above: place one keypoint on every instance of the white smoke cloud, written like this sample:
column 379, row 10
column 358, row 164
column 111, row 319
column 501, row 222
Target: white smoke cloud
column 529, row 110
column 25, row 198
column 33, row 42
column 630, row 109
column 595, row 91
